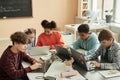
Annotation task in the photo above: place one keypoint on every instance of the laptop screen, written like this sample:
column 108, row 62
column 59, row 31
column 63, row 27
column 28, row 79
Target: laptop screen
column 42, row 50
column 62, row 53
column 78, row 58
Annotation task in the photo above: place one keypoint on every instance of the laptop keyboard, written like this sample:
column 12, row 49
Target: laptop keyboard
column 46, row 64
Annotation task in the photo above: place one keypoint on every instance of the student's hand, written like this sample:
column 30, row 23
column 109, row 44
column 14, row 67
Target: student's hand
column 69, row 62
column 37, row 61
column 36, row 66
column 96, row 64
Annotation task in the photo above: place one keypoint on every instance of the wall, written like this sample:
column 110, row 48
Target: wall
column 61, row 11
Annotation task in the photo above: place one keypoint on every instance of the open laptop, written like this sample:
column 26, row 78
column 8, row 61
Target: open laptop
column 45, row 66
column 79, row 59
column 62, row 53
column 42, row 50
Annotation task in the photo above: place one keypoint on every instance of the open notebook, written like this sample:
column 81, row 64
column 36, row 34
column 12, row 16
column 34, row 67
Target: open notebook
column 110, row 73
column 57, row 67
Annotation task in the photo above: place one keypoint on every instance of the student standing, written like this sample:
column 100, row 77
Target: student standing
column 49, row 37
column 11, row 59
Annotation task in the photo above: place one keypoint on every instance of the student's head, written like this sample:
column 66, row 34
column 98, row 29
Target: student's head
column 106, row 38
column 19, row 40
column 30, row 33
column 48, row 26
column 83, row 31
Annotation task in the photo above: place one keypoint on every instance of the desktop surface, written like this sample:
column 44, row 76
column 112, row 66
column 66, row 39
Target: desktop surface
column 89, row 75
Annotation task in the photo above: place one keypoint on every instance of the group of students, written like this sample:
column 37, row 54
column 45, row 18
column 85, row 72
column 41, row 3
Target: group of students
column 11, row 60
column 49, row 37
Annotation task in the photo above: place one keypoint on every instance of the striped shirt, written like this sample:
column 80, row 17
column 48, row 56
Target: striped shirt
column 11, row 67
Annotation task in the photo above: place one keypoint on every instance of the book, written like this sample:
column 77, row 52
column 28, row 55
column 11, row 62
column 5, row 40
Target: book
column 110, row 73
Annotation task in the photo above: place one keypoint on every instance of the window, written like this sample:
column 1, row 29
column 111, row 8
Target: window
column 117, row 11
column 107, row 5
column 112, row 5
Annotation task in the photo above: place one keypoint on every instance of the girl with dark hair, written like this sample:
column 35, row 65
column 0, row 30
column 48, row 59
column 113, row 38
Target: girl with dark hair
column 49, row 37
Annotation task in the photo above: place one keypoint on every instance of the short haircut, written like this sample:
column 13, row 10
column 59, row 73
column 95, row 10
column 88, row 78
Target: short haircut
column 83, row 28
column 19, row 37
column 29, row 31
column 47, row 24
column 105, row 35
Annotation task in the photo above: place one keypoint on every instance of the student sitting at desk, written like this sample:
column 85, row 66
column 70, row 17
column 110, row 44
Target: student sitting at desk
column 31, row 35
column 109, row 51
column 88, row 41
column 49, row 37
column 11, row 59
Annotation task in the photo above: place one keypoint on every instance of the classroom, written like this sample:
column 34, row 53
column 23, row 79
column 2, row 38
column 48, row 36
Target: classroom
column 59, row 40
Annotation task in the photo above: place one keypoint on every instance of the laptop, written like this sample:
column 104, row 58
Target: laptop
column 45, row 66
column 79, row 59
column 42, row 50
column 62, row 53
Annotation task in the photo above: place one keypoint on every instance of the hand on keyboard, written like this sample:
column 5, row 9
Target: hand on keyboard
column 37, row 61
column 96, row 64
column 36, row 66
column 90, row 66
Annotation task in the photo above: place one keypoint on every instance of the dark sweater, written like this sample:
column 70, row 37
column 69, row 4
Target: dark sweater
column 11, row 65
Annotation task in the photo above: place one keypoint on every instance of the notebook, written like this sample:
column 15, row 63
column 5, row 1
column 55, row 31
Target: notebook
column 57, row 67
column 110, row 73
column 79, row 59
column 43, row 50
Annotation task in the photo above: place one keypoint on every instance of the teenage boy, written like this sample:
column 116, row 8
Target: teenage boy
column 11, row 59
column 109, row 51
column 87, row 41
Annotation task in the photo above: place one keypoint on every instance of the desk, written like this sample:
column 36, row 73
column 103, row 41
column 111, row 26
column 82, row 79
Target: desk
column 37, row 75
column 89, row 75
column 93, row 27
column 93, row 75
column 32, row 75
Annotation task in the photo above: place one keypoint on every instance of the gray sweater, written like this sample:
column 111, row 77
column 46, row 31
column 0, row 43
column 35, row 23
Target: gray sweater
column 113, row 56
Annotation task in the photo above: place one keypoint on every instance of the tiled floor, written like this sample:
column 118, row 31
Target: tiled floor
column 4, row 44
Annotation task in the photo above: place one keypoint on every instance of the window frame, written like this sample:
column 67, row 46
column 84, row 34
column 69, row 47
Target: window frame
column 114, row 11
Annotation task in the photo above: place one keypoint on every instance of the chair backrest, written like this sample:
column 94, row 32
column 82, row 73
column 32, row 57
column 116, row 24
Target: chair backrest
column 35, row 37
